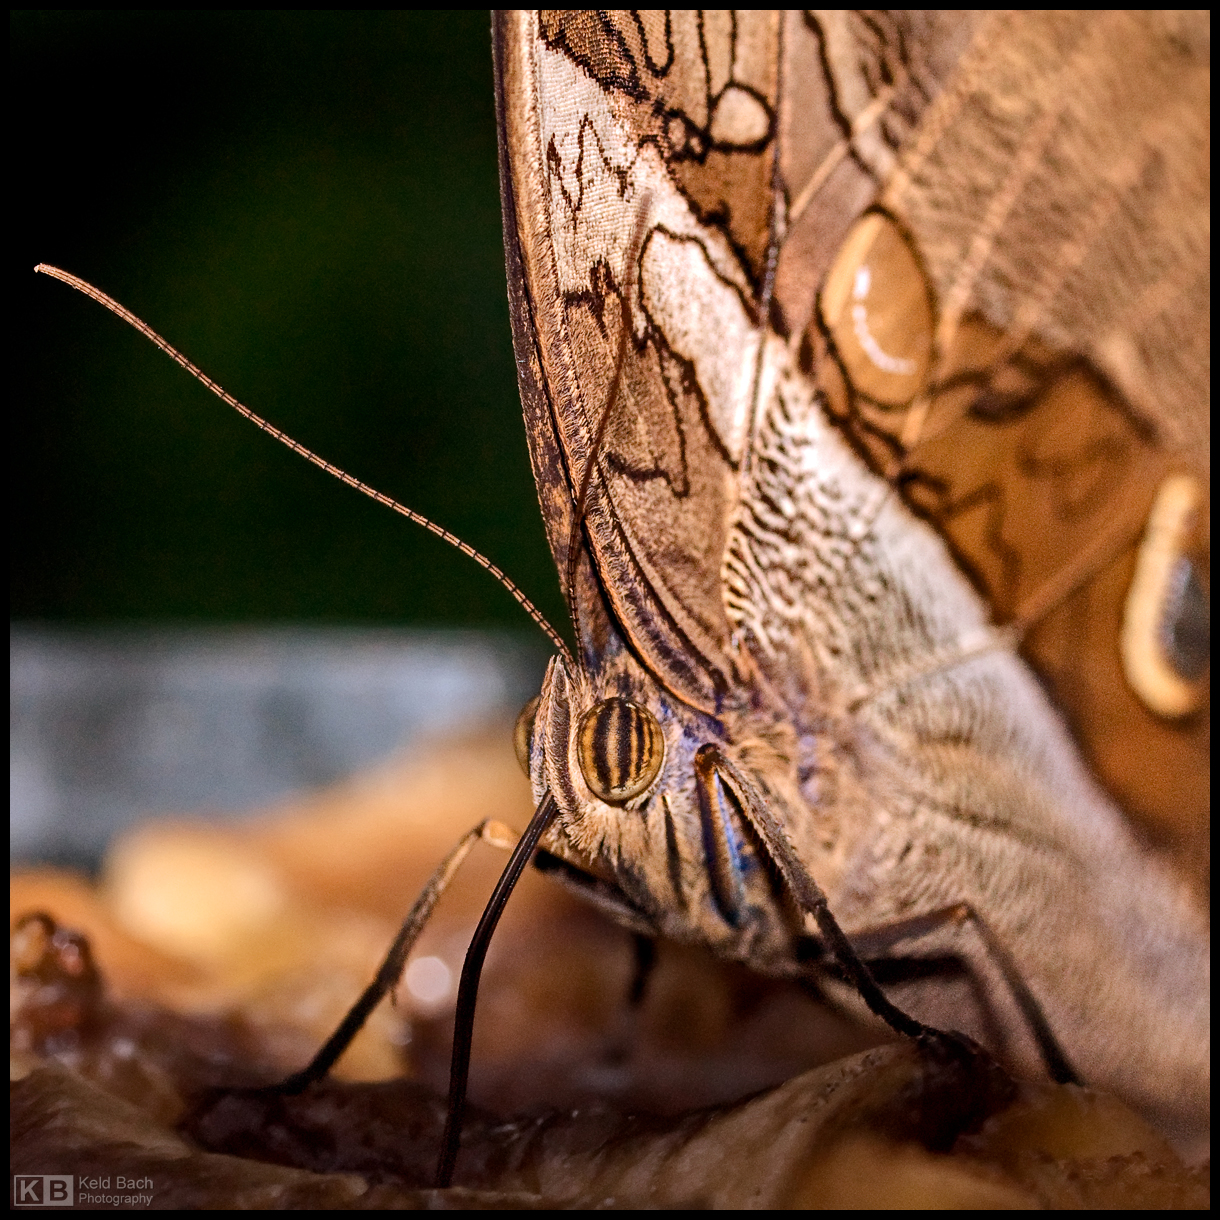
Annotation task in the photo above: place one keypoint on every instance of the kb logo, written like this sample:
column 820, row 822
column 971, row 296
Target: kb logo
column 42, row 1190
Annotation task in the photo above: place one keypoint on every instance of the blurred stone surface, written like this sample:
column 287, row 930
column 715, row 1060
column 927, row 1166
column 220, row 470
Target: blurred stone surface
column 107, row 727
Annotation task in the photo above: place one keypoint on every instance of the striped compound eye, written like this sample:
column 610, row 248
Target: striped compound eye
column 523, row 733
column 621, row 750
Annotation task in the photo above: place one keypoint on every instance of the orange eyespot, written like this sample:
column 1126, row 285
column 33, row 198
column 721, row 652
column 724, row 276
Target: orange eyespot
column 877, row 307
column 621, row 749
column 523, row 733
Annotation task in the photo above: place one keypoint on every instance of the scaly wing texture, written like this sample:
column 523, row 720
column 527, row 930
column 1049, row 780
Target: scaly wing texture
column 1051, row 173
column 889, row 266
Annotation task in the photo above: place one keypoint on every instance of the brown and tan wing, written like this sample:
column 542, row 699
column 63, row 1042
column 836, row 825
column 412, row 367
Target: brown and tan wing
column 986, row 237
column 661, row 124
column 1046, row 403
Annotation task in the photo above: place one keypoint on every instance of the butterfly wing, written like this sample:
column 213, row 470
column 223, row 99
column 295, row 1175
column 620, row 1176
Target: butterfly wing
column 1056, row 195
column 781, row 286
column 660, row 490
column 1049, row 176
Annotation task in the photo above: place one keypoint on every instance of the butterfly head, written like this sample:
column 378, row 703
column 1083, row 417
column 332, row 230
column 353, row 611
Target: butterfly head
column 653, row 798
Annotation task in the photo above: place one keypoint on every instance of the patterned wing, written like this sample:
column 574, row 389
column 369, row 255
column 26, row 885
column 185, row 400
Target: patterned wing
column 1057, row 427
column 985, row 239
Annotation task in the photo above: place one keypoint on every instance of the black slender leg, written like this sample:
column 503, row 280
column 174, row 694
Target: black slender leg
column 874, row 943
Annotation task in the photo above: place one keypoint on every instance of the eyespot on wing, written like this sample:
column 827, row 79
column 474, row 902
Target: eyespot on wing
column 1166, row 632
column 877, row 306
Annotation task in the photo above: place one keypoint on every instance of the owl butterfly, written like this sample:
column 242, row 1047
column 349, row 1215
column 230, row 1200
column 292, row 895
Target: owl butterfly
column 864, row 366
column 863, row 361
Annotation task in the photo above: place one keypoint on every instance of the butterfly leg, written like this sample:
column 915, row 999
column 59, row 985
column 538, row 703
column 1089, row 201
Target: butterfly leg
column 967, row 1081
column 878, row 944
column 954, row 1054
column 712, row 765
column 489, row 831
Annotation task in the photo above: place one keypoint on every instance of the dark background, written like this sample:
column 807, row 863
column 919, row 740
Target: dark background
column 307, row 205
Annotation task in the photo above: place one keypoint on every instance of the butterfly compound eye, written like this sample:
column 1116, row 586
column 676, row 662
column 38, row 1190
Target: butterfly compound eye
column 523, row 733
column 621, row 749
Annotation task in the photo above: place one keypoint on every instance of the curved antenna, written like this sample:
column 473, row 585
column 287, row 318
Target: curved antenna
column 151, row 335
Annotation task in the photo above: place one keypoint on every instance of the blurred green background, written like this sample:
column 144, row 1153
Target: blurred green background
column 307, row 205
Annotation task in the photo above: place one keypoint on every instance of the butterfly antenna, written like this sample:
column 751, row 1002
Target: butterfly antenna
column 578, row 504
column 151, row 335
